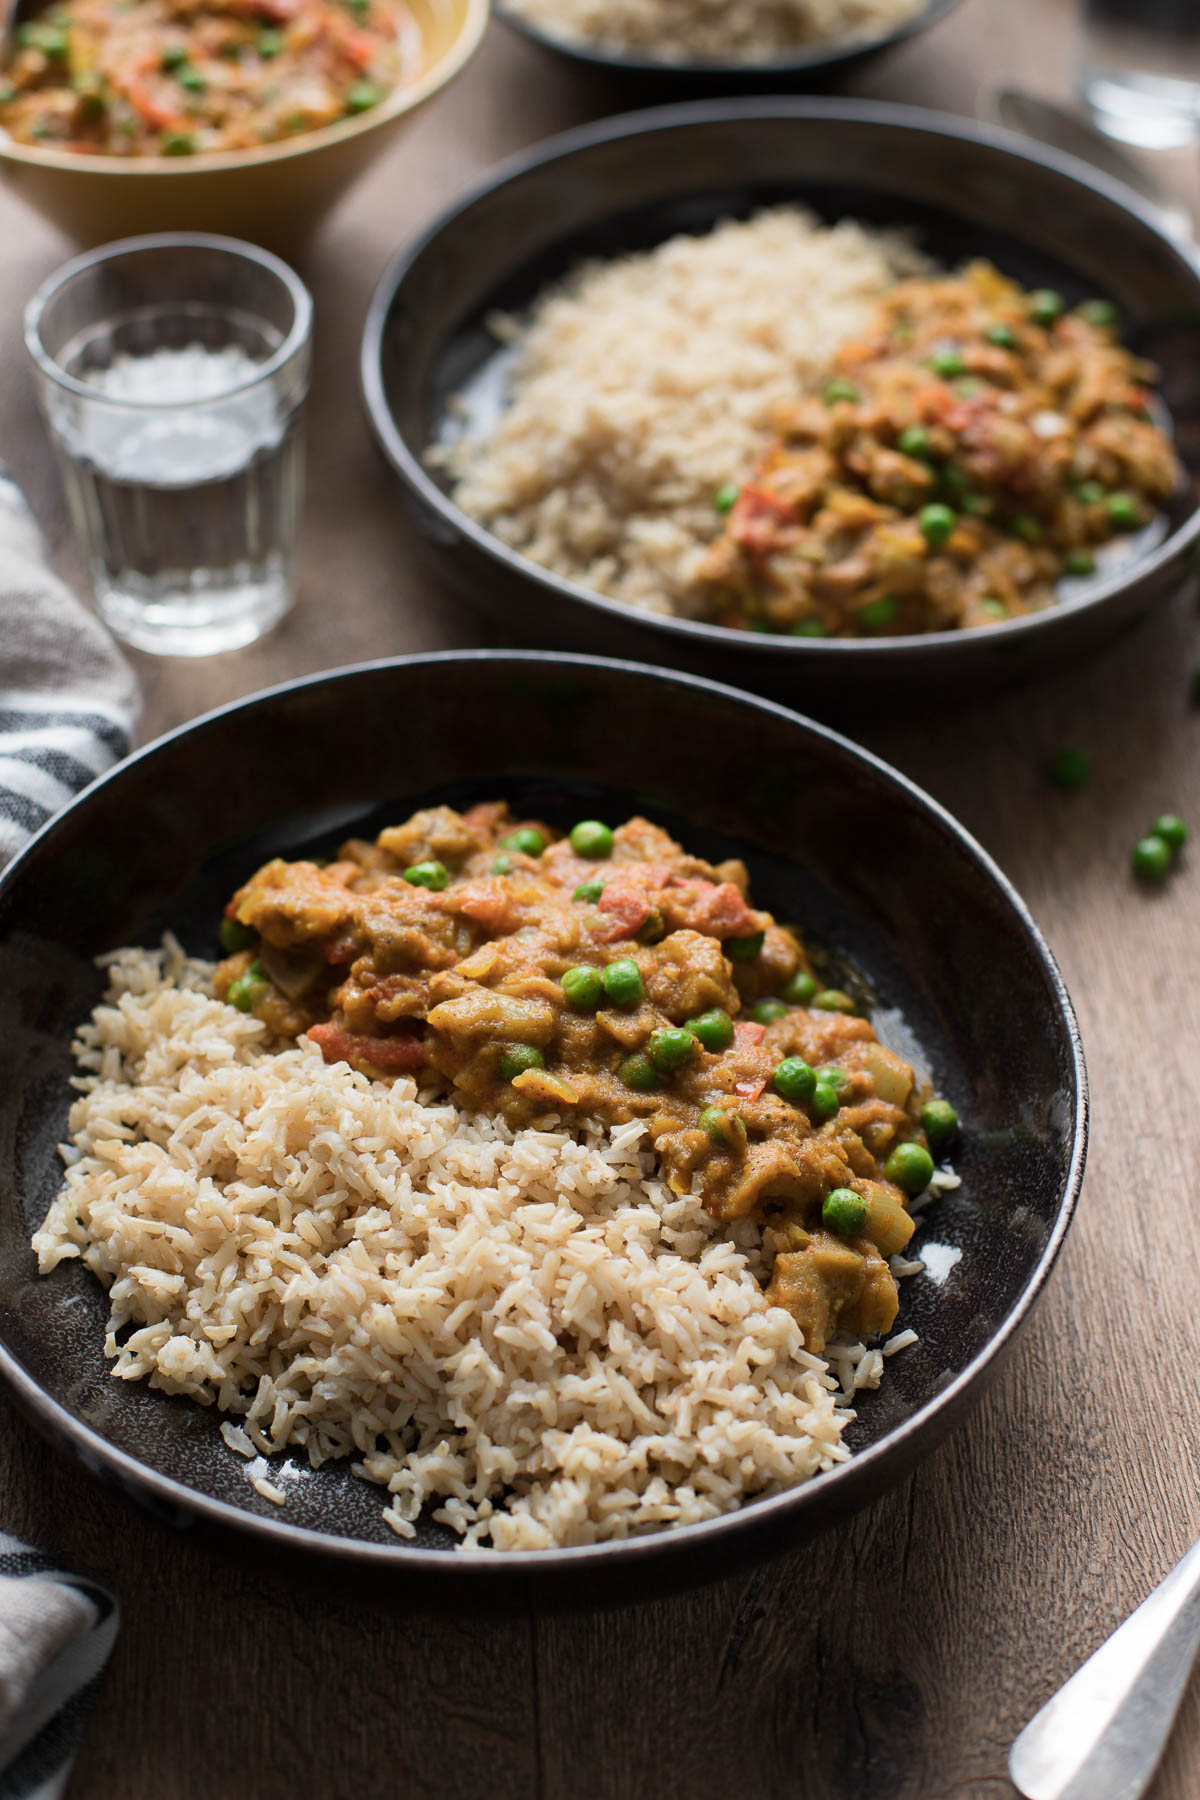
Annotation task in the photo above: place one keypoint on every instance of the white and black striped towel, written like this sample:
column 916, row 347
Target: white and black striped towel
column 67, row 705
column 67, row 696
column 55, row 1635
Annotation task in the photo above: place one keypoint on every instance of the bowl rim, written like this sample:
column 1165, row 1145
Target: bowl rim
column 727, row 1528
column 402, row 99
column 410, row 467
column 824, row 53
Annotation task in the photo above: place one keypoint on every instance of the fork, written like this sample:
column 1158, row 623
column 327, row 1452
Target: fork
column 1101, row 1736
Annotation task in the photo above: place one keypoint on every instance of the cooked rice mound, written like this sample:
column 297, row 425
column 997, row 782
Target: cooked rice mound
column 714, row 30
column 526, row 1329
column 643, row 385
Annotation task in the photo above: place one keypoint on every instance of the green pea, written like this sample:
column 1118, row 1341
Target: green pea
column 1079, row 562
column 589, row 892
column 527, row 841
column 939, row 1122
column 269, row 42
column 823, row 1101
column 51, row 40
column 1152, row 858
column 173, row 57
column 583, row 987
column 247, row 990
column 517, row 1058
column 840, row 389
column 936, row 522
column 725, row 498
column 502, row 865
column 623, row 982
column 671, row 1048
column 192, row 80
column 1090, row 493
column 745, row 949
column 1101, row 313
column 834, row 1000
column 765, row 1012
column 178, row 143
column 363, row 96
column 995, row 609
column 722, row 1126
column 235, row 936
column 714, row 1029
column 427, row 875
column 652, row 929
column 1045, row 306
column 1171, row 828
column 1026, row 527
column 910, row 1166
column 877, row 615
column 838, row 1078
column 844, row 1211
column 1123, row 512
column 809, row 628
column 1003, row 336
column 591, row 839
column 799, row 990
column 1070, row 769
column 913, row 441
column 794, row 1080
column 947, row 361
column 638, row 1072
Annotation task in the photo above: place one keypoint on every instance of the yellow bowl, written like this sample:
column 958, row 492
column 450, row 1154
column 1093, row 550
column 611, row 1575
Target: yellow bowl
column 275, row 195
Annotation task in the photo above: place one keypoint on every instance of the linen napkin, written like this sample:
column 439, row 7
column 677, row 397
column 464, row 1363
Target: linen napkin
column 68, row 698
column 67, row 704
column 55, row 1635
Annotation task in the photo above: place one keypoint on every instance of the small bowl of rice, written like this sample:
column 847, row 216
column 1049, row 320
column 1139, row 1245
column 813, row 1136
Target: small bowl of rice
column 706, row 46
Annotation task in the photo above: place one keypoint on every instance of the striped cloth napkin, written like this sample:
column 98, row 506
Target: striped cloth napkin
column 55, row 1635
column 67, row 705
column 68, row 698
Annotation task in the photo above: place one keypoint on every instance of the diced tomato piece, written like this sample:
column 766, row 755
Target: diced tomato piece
column 399, row 1055
column 488, row 904
column 746, row 1033
column 750, row 1090
column 628, row 909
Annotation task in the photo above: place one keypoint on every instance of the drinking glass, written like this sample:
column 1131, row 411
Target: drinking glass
column 1140, row 70
column 172, row 371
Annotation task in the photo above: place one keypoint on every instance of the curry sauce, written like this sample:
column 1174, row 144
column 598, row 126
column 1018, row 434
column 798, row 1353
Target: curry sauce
column 606, row 975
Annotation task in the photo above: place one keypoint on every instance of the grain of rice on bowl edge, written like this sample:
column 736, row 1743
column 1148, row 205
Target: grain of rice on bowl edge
column 524, row 1329
column 712, row 30
column 644, row 385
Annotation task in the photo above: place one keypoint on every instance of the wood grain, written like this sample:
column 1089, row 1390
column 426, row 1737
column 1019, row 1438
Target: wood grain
column 901, row 1653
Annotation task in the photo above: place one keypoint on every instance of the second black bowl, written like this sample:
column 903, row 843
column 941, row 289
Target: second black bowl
column 965, row 190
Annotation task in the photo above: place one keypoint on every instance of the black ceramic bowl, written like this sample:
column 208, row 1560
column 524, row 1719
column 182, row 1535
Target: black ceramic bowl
column 816, row 66
column 966, row 190
column 835, row 840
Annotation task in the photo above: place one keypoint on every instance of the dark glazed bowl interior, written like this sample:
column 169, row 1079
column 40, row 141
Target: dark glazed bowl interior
column 964, row 190
column 867, row 865
column 815, row 66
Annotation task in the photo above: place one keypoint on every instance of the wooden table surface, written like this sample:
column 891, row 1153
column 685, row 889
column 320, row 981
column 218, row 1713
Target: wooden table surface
column 900, row 1654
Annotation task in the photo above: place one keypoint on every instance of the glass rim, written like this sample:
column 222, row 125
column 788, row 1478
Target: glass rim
column 297, row 336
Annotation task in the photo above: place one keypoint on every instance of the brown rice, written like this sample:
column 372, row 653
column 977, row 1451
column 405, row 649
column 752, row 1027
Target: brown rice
column 712, row 30
column 643, row 385
column 526, row 1329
